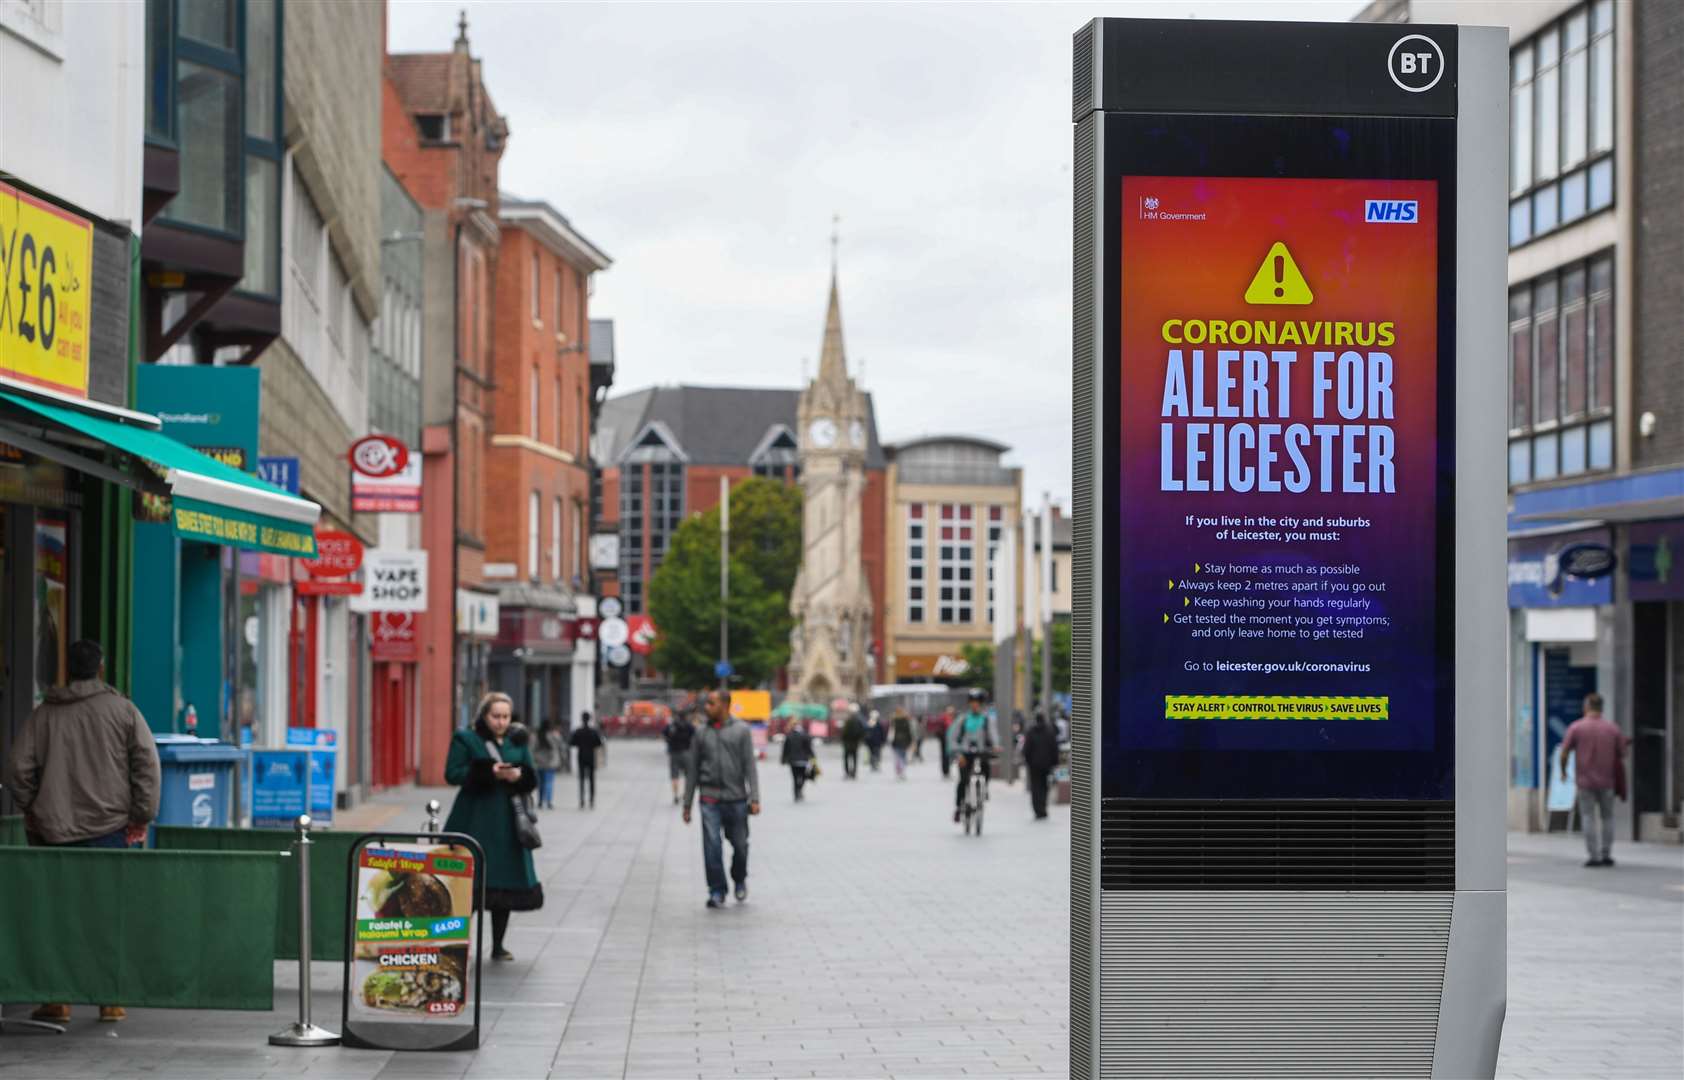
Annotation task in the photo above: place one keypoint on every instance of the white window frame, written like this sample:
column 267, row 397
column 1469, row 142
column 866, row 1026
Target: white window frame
column 533, row 527
column 555, row 538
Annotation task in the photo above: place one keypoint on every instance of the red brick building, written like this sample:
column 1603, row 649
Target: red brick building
column 537, row 460
column 443, row 139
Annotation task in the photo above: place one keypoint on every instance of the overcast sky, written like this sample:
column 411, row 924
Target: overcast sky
column 705, row 148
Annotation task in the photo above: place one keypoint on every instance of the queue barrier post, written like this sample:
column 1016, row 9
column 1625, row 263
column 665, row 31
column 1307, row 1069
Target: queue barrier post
column 433, row 808
column 302, row 1032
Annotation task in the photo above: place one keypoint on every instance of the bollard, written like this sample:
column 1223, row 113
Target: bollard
column 303, row 1032
column 432, row 815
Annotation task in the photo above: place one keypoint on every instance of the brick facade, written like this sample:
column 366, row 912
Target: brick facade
column 1658, row 183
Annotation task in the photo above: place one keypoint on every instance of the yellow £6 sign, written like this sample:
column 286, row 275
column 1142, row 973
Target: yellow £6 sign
column 46, row 265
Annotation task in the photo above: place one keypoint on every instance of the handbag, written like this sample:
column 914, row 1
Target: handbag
column 601, row 756
column 526, row 818
column 812, row 768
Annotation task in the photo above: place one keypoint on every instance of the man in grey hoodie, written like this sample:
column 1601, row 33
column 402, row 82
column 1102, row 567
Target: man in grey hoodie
column 721, row 768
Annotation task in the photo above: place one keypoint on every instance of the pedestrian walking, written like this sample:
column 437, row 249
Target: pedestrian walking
column 1040, row 757
column 721, row 771
column 918, row 734
column 853, row 733
column 548, row 751
column 940, row 726
column 492, row 772
column 875, row 737
column 1599, row 772
column 900, row 740
column 84, row 772
column 798, row 755
column 592, row 753
column 678, row 734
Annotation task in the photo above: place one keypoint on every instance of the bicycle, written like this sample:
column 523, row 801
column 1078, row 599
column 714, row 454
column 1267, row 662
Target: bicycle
column 976, row 793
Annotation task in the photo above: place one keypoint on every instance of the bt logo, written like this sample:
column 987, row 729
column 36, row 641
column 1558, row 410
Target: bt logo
column 1390, row 211
column 1416, row 63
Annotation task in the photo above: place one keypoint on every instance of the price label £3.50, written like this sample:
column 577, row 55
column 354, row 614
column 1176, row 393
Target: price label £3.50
column 46, row 268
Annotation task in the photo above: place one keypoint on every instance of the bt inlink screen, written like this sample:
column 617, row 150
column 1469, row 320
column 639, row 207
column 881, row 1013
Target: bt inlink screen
column 1279, row 404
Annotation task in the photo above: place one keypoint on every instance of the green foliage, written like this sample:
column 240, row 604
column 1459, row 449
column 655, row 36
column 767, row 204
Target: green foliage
column 684, row 592
column 980, row 655
column 1060, row 660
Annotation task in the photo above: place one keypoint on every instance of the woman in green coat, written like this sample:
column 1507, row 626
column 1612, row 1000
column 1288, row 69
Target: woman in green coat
column 483, row 810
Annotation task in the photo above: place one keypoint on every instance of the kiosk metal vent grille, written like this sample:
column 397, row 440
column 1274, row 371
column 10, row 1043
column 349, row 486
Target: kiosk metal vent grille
column 1082, row 70
column 1243, row 844
column 1082, row 898
column 1272, row 984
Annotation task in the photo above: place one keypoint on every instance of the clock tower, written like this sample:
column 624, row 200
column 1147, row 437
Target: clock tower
column 830, row 647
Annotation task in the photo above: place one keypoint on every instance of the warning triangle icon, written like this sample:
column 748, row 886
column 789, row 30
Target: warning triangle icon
column 1279, row 280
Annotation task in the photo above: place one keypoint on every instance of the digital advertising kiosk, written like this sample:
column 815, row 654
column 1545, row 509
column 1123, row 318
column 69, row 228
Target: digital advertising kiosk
column 1288, row 746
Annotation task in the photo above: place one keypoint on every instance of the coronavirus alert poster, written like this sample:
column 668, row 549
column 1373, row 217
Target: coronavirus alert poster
column 1279, row 448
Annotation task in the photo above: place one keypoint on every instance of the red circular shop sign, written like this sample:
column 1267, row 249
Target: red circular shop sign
column 379, row 456
column 338, row 554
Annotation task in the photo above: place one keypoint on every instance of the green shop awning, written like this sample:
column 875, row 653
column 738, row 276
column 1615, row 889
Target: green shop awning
column 209, row 501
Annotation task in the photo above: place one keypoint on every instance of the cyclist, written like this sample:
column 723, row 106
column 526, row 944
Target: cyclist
column 971, row 738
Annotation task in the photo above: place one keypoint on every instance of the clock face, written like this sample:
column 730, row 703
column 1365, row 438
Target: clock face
column 856, row 433
column 822, row 433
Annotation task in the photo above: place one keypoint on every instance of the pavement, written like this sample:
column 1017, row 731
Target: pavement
column 878, row 941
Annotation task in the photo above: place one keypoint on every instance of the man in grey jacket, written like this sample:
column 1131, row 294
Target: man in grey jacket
column 721, row 768
column 85, row 772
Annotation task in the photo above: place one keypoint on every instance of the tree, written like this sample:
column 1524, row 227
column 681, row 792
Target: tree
column 980, row 656
column 684, row 592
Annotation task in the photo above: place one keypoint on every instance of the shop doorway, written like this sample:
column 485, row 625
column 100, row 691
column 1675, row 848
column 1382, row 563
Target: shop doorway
column 301, row 661
column 394, row 730
column 1651, row 646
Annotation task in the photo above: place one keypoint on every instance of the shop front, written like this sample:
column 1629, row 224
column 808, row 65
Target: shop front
column 532, row 657
column 65, row 316
column 941, row 666
column 182, row 612
column 1619, row 633
column 478, row 620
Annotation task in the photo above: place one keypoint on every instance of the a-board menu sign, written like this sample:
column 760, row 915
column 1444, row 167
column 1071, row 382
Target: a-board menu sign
column 412, row 958
column 1281, row 460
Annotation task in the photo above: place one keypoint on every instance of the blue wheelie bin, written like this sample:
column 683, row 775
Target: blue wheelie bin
column 198, row 781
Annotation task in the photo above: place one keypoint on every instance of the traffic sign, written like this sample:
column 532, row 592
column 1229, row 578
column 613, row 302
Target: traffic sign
column 723, row 670
column 613, row 632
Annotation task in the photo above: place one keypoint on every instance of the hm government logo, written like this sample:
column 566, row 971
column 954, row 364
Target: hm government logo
column 1150, row 209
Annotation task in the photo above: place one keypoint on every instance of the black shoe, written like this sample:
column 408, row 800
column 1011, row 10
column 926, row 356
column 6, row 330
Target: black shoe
column 716, row 901
column 1598, row 863
column 1609, row 861
column 742, row 892
column 955, row 816
column 502, row 954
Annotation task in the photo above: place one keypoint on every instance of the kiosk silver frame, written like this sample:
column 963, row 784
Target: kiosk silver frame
column 1283, row 981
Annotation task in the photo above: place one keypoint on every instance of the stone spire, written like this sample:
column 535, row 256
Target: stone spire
column 833, row 358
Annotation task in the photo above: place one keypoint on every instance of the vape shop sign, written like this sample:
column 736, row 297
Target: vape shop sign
column 393, row 580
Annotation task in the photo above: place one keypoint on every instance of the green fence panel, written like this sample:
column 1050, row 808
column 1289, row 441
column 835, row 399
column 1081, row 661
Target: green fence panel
column 329, row 880
column 154, row 929
column 11, row 831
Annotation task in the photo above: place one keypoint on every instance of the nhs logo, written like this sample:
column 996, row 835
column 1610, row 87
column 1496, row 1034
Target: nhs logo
column 1390, row 211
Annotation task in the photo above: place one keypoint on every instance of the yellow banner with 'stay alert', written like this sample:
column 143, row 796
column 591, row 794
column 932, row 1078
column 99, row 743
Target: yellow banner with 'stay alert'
column 46, row 282
column 1273, row 707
